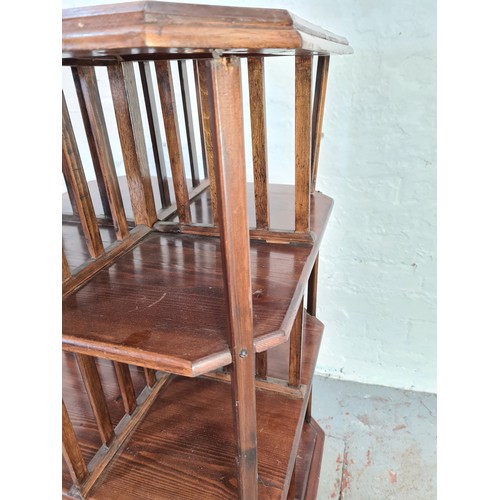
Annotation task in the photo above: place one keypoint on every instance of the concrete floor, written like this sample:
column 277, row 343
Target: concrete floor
column 380, row 442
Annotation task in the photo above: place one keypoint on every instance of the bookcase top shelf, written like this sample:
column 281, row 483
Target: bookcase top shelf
column 135, row 29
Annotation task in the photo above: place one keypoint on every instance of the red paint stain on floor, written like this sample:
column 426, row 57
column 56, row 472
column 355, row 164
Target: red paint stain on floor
column 368, row 458
column 393, row 477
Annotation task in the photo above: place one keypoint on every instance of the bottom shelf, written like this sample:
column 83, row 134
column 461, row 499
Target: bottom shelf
column 184, row 447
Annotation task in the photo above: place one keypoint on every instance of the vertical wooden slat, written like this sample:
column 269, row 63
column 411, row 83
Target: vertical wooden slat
column 66, row 273
column 295, row 365
column 256, row 85
column 303, row 66
column 154, row 131
column 131, row 132
column 150, row 376
column 73, row 172
column 200, row 117
column 98, row 140
column 188, row 120
column 261, row 365
column 226, row 115
column 308, row 416
column 171, row 124
column 126, row 386
column 207, row 135
column 312, row 288
column 91, row 141
column 92, row 382
column 71, row 449
column 317, row 114
column 71, row 195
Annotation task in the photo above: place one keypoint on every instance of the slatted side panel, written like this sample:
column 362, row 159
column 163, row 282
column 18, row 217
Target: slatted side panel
column 71, row 450
column 155, row 133
column 100, row 148
column 172, row 133
column 317, row 114
column 77, row 183
column 303, row 73
column 256, row 84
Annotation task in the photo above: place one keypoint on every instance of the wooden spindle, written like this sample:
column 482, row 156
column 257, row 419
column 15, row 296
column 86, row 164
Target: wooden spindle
column 317, row 115
column 200, row 117
column 261, row 365
column 312, row 288
column 131, row 132
column 256, row 85
column 150, row 376
column 154, row 131
column 66, row 273
column 188, row 120
column 226, row 115
column 71, row 450
column 308, row 416
column 98, row 139
column 126, row 386
column 171, row 124
column 73, row 172
column 295, row 365
column 71, row 195
column 303, row 65
column 91, row 142
column 90, row 377
column 207, row 134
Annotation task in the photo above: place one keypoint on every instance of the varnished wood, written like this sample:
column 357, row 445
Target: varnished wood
column 261, row 365
column 184, row 423
column 154, row 132
column 85, row 273
column 226, row 114
column 283, row 237
column 131, row 132
column 126, row 386
column 147, row 27
column 73, row 172
column 71, row 450
column 98, row 139
column 207, row 134
column 303, row 65
column 200, row 116
column 191, row 266
column 170, row 121
column 295, row 364
column 96, row 396
column 150, row 376
column 312, row 289
column 90, row 139
column 317, row 114
column 188, row 121
column 124, row 430
column 256, row 85
column 71, row 196
column 309, row 409
column 66, row 273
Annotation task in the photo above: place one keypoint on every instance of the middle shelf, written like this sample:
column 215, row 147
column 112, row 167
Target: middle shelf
column 161, row 305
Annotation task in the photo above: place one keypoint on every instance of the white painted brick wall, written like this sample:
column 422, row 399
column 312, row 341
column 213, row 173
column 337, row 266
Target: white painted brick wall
column 377, row 289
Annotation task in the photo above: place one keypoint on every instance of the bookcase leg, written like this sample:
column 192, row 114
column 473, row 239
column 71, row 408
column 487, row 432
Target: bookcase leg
column 226, row 120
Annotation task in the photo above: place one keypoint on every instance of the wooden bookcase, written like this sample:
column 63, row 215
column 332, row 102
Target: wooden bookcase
column 189, row 294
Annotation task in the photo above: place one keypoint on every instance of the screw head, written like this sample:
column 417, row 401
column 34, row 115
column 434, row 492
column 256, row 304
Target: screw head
column 243, row 353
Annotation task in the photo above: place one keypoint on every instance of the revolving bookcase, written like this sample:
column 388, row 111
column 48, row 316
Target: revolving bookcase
column 189, row 294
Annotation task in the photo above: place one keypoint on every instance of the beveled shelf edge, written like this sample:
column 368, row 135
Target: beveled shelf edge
column 187, row 30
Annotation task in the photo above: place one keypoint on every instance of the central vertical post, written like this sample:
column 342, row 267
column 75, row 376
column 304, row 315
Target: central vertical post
column 226, row 121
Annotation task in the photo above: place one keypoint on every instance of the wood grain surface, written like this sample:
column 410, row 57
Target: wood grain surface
column 151, row 27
